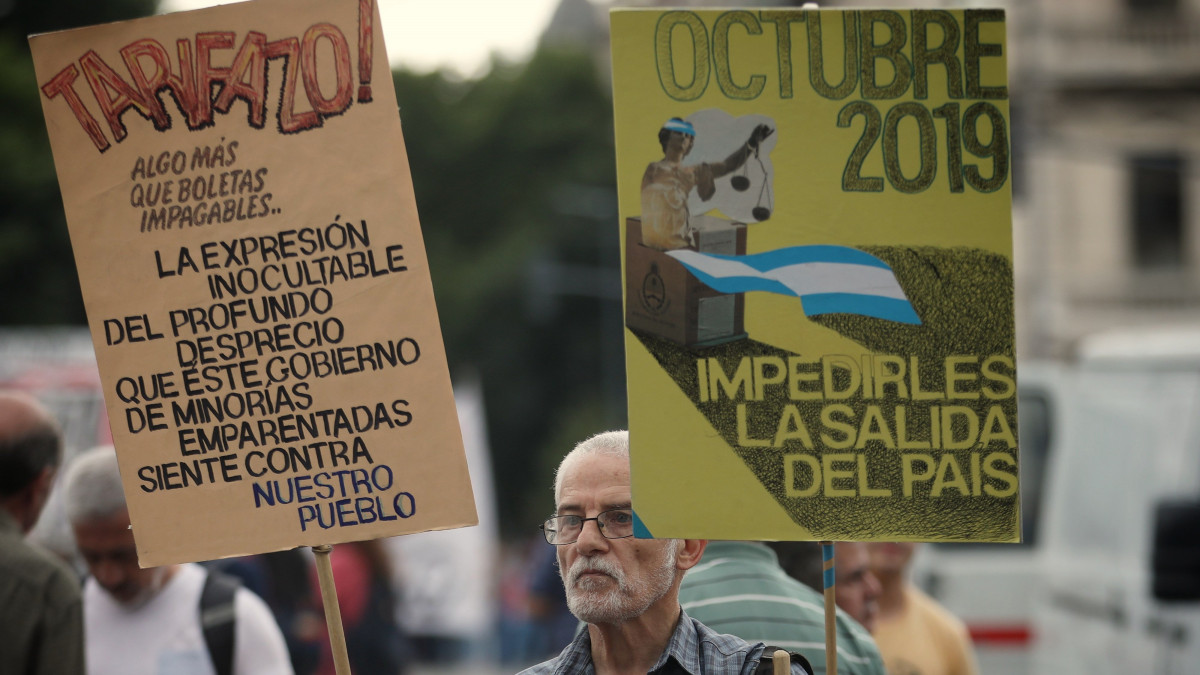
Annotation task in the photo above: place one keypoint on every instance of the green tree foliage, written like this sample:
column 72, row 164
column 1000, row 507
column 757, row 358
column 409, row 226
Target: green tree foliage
column 515, row 182
column 37, row 271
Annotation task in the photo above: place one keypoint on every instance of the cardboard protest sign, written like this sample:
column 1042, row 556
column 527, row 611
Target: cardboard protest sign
column 816, row 221
column 243, row 221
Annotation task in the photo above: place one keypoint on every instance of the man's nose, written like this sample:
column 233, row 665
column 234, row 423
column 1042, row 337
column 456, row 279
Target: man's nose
column 591, row 538
column 874, row 587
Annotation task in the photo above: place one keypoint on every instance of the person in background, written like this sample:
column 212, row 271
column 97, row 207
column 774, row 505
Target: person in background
column 916, row 635
column 553, row 623
column 283, row 579
column 149, row 621
column 857, row 588
column 41, row 618
column 627, row 590
column 741, row 588
column 375, row 644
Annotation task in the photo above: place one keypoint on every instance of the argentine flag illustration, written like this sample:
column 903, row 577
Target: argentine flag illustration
column 827, row 279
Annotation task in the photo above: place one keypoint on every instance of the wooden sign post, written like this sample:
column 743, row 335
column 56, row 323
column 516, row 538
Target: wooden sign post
column 818, row 278
column 333, row 612
column 243, row 221
column 815, row 214
column 829, row 575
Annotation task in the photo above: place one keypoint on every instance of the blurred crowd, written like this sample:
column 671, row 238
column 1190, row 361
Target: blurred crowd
column 80, row 576
column 263, row 614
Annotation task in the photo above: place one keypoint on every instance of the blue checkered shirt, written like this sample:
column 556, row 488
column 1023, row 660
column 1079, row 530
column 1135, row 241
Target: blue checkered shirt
column 694, row 649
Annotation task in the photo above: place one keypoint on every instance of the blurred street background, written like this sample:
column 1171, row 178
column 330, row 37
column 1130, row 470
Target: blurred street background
column 1105, row 105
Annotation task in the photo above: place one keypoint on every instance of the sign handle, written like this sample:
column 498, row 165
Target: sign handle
column 781, row 662
column 830, row 608
column 333, row 612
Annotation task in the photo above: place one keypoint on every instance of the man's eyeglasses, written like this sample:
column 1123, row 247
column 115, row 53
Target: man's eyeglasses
column 613, row 524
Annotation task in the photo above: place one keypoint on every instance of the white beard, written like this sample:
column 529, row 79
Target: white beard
column 595, row 601
column 158, row 580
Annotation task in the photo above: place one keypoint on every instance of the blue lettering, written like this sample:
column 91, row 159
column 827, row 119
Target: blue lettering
column 398, row 503
column 301, row 489
column 363, row 507
column 307, row 515
column 343, row 512
column 267, row 496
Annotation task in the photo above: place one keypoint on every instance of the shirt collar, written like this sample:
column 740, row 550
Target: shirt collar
column 577, row 657
column 684, row 647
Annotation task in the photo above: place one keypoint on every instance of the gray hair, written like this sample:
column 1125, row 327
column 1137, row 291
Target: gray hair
column 92, row 485
column 30, row 441
column 611, row 443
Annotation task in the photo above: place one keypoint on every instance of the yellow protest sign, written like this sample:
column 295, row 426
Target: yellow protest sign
column 242, row 215
column 816, row 226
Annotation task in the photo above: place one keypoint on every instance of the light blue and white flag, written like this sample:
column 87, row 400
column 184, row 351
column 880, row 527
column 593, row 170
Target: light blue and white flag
column 827, row 279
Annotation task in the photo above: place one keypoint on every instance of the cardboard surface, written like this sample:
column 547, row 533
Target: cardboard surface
column 243, row 221
column 868, row 155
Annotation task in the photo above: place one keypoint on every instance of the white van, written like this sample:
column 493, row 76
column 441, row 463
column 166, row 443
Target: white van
column 1121, row 535
column 1107, row 579
column 991, row 587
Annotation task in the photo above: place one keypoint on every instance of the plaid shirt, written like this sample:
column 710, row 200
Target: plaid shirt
column 693, row 649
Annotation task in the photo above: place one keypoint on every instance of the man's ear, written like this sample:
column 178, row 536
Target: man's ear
column 45, row 479
column 690, row 552
column 26, row 505
column 42, row 486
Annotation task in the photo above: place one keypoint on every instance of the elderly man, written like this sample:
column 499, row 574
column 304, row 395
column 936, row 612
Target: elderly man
column 41, row 621
column 149, row 621
column 625, row 589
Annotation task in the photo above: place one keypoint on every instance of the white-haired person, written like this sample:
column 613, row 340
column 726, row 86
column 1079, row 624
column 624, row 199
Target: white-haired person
column 627, row 590
column 153, row 621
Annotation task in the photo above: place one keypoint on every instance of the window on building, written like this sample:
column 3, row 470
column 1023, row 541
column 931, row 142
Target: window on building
column 1154, row 6
column 1157, row 209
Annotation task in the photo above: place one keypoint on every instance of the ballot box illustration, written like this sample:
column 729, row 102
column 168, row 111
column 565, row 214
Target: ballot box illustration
column 664, row 299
